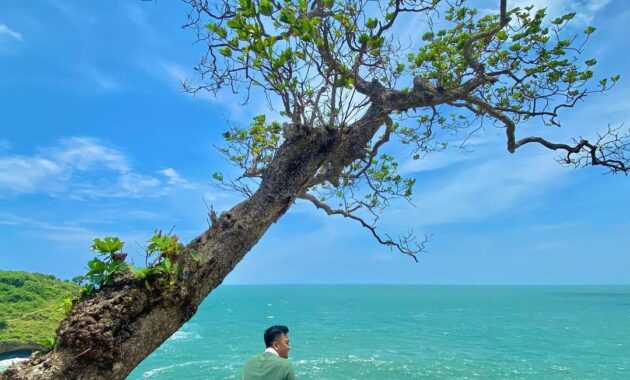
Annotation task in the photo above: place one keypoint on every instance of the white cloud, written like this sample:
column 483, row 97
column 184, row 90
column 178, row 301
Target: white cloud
column 27, row 174
column 138, row 184
column 434, row 161
column 231, row 105
column 72, row 232
column 85, row 153
column 52, row 231
column 175, row 72
column 82, row 167
column 102, row 80
column 175, row 179
column 484, row 190
column 73, row 13
column 172, row 75
column 460, row 149
column 11, row 219
column 10, row 32
column 54, row 168
column 585, row 9
column 137, row 16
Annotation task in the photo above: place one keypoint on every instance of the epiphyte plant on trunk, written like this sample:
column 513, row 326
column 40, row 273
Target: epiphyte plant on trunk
column 347, row 84
column 109, row 260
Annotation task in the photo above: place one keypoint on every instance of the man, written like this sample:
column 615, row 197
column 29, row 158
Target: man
column 272, row 364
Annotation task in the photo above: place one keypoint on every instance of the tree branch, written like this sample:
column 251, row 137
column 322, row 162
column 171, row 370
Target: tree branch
column 406, row 244
column 611, row 149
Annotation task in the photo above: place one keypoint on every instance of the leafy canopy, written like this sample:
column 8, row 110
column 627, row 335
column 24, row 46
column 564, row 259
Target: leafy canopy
column 347, row 67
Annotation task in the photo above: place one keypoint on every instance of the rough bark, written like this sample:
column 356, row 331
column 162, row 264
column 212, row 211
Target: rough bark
column 108, row 335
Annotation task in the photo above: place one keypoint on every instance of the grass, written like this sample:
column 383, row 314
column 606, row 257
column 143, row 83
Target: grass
column 30, row 306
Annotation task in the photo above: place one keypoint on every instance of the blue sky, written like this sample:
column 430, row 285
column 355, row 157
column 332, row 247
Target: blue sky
column 96, row 138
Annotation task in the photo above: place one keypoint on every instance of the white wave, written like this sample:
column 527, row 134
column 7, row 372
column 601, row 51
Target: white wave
column 185, row 335
column 319, row 363
column 156, row 371
column 4, row 364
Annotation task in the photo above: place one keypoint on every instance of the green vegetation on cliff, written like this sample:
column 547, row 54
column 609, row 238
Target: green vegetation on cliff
column 30, row 308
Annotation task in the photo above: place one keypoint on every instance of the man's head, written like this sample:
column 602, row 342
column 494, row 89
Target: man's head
column 277, row 337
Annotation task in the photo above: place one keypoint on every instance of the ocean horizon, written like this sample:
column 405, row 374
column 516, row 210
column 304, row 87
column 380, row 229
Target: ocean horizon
column 392, row 331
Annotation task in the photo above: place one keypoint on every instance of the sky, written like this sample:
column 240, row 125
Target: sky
column 97, row 139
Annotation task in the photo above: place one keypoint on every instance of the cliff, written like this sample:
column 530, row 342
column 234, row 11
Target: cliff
column 30, row 309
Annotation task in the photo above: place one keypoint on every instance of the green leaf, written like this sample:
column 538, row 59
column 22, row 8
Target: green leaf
column 569, row 16
column 96, row 265
column 108, row 245
column 142, row 272
column 265, row 8
column 217, row 176
column 226, row 51
column 167, row 263
column 194, row 255
column 287, row 15
column 233, row 23
column 328, row 4
column 371, row 23
column 87, row 289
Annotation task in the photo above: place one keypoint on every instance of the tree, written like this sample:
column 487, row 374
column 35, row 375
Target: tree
column 347, row 84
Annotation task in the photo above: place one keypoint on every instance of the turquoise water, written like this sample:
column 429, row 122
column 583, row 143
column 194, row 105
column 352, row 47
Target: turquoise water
column 407, row 332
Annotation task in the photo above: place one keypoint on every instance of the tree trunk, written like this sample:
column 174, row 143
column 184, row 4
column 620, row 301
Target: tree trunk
column 108, row 335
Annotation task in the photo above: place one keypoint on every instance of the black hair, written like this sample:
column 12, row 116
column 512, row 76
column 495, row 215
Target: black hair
column 272, row 333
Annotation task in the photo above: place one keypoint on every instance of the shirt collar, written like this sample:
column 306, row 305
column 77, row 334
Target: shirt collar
column 271, row 351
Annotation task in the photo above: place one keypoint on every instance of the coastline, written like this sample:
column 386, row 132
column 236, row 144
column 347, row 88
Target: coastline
column 14, row 356
column 8, row 348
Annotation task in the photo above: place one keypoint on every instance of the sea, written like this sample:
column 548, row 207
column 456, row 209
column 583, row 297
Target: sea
column 371, row 332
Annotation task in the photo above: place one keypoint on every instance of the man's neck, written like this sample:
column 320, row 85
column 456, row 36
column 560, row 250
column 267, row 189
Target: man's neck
column 271, row 350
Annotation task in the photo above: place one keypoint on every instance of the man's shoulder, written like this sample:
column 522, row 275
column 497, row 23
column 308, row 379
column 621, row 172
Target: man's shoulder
column 275, row 359
column 269, row 358
column 256, row 358
column 283, row 366
column 266, row 363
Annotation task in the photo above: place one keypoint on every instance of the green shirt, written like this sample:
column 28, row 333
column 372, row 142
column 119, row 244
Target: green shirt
column 267, row 366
